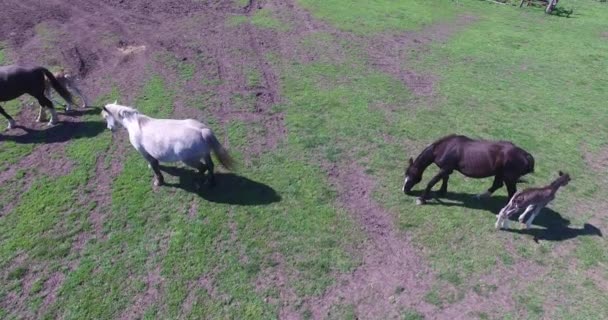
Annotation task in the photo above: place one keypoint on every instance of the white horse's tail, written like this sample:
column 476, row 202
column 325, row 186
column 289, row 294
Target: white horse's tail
column 218, row 149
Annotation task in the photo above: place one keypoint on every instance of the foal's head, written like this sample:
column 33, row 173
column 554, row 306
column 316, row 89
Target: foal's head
column 114, row 113
column 413, row 175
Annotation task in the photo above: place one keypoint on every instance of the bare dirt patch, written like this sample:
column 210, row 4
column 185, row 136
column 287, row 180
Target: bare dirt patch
column 393, row 275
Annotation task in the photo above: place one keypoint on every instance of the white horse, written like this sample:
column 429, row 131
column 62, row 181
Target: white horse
column 168, row 140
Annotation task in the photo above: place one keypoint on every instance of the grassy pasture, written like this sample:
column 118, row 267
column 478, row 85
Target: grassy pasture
column 504, row 73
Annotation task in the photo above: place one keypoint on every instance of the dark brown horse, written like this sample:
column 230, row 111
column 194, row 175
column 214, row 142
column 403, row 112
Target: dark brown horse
column 473, row 158
column 18, row 80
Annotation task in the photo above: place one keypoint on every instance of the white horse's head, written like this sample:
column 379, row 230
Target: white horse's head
column 114, row 112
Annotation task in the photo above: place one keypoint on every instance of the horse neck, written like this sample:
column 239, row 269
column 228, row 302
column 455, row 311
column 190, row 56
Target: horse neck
column 425, row 158
column 132, row 124
column 555, row 185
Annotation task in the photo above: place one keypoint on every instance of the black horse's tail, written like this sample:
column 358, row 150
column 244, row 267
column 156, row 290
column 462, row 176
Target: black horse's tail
column 530, row 160
column 63, row 92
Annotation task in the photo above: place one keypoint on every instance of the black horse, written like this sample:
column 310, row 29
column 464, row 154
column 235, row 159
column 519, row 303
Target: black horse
column 18, row 80
column 473, row 158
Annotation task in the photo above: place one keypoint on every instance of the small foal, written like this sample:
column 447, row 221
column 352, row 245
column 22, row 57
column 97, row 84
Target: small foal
column 533, row 199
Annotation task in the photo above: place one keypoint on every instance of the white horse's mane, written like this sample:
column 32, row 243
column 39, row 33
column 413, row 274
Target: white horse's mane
column 118, row 109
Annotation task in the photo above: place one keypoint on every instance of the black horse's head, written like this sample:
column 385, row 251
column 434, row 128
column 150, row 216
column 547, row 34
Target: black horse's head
column 413, row 175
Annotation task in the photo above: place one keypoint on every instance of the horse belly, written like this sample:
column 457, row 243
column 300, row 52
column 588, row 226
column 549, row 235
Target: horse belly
column 477, row 168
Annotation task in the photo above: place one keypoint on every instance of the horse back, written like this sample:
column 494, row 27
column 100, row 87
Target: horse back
column 17, row 80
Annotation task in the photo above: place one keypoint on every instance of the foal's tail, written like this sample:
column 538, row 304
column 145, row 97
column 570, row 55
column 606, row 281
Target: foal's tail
column 63, row 92
column 218, row 149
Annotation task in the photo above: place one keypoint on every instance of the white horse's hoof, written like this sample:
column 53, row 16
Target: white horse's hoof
column 11, row 124
column 51, row 123
column 419, row 201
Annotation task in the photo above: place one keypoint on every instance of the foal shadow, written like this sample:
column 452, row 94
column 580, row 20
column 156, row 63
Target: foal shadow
column 559, row 233
column 60, row 132
column 229, row 188
column 556, row 227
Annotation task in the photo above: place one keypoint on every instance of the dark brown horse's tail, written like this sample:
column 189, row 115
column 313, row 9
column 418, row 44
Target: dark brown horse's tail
column 530, row 160
column 218, row 149
column 63, row 92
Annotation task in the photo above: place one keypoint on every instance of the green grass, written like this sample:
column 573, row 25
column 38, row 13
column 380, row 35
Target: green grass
column 221, row 255
column 364, row 17
column 264, row 19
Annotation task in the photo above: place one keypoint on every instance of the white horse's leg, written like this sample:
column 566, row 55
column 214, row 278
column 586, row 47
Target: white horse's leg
column 532, row 216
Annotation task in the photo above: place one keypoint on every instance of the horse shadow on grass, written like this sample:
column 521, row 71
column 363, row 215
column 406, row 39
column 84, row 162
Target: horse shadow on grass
column 556, row 227
column 229, row 188
column 60, row 132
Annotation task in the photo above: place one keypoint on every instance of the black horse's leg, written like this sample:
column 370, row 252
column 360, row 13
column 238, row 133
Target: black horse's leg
column 497, row 184
column 444, row 186
column 11, row 121
column 442, row 173
column 511, row 188
column 209, row 164
column 46, row 103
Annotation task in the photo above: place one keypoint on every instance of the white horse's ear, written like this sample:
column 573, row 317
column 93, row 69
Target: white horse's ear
column 115, row 101
column 123, row 114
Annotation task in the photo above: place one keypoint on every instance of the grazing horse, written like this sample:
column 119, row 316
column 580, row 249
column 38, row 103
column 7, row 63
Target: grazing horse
column 168, row 140
column 473, row 158
column 68, row 82
column 532, row 199
column 18, row 80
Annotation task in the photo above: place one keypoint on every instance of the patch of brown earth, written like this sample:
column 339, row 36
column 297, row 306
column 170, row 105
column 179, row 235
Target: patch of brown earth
column 50, row 290
column 18, row 300
column 493, row 294
column 391, row 263
column 142, row 302
column 276, row 278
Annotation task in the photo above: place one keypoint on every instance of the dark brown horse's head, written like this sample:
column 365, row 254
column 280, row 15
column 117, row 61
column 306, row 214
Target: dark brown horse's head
column 413, row 175
column 563, row 179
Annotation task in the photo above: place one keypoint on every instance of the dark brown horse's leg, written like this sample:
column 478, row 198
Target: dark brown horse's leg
column 46, row 103
column 442, row 174
column 444, row 186
column 511, row 188
column 497, row 184
column 11, row 121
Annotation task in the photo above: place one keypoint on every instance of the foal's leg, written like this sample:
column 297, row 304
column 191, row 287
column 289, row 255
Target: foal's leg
column 532, row 216
column 497, row 184
column 523, row 215
column 503, row 217
column 11, row 121
column 442, row 173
